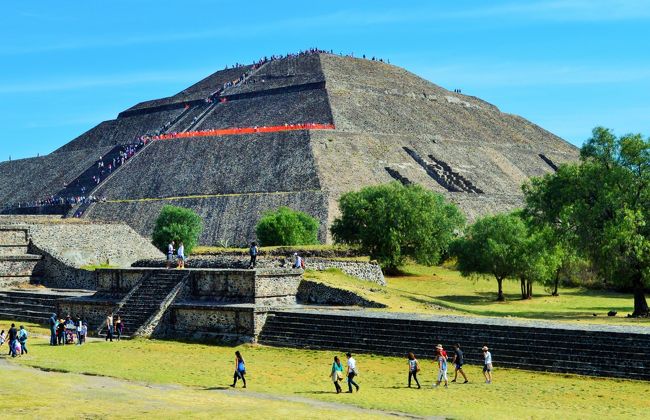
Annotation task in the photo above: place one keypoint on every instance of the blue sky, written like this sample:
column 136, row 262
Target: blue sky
column 567, row 65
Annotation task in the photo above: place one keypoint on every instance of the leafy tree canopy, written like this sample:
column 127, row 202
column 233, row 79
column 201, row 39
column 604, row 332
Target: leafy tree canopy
column 287, row 227
column 602, row 205
column 177, row 224
column 391, row 222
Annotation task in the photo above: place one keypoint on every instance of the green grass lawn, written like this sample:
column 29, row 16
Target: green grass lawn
column 304, row 373
column 442, row 290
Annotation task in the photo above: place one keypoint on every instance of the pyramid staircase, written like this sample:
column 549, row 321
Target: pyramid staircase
column 142, row 308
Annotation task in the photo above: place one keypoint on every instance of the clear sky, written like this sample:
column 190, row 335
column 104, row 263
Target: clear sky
column 568, row 65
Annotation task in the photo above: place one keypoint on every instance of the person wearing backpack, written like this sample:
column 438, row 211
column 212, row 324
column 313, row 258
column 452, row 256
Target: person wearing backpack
column 22, row 339
column 441, row 355
column 414, row 368
column 240, row 369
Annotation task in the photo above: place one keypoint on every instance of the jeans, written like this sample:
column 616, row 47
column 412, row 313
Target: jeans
column 239, row 375
column 253, row 261
column 109, row 334
column 351, row 382
column 12, row 348
column 23, row 347
column 413, row 374
column 52, row 336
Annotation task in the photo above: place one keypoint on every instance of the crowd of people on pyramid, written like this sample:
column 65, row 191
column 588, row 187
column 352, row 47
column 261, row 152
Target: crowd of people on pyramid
column 77, row 192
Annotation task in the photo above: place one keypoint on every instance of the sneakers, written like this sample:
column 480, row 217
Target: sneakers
column 446, row 386
column 453, row 380
column 466, row 381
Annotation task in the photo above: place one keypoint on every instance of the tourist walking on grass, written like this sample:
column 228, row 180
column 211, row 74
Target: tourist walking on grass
column 13, row 339
column 458, row 363
column 441, row 356
column 52, row 323
column 337, row 374
column 351, row 372
column 414, row 368
column 253, row 253
column 181, row 256
column 3, row 337
column 60, row 331
column 170, row 254
column 119, row 327
column 109, row 327
column 240, row 369
column 22, row 339
column 487, row 365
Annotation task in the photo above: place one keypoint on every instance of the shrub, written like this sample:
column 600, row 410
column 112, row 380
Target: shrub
column 177, row 224
column 287, row 227
column 391, row 222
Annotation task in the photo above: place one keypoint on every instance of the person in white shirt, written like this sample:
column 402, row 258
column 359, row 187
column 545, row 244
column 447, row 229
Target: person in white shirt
column 170, row 254
column 181, row 256
column 487, row 365
column 352, row 372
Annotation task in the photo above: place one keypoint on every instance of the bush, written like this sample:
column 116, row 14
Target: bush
column 287, row 227
column 177, row 224
column 391, row 222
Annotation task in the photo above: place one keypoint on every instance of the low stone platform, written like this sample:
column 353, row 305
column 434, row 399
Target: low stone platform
column 615, row 351
column 229, row 304
column 33, row 304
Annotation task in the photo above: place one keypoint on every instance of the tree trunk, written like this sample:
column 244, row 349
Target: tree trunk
column 500, row 297
column 522, row 285
column 529, row 289
column 640, row 303
column 556, row 283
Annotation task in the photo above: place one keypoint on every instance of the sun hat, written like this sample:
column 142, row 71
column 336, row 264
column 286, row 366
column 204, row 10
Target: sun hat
column 439, row 346
column 485, row 348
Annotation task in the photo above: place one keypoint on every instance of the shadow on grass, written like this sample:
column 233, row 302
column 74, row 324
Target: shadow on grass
column 317, row 392
column 217, row 388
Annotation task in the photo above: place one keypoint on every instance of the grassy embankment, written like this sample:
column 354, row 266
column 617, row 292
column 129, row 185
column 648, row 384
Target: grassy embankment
column 443, row 290
column 303, row 373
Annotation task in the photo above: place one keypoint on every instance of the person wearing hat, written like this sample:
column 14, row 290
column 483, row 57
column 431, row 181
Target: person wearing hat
column 441, row 355
column 487, row 365
column 352, row 372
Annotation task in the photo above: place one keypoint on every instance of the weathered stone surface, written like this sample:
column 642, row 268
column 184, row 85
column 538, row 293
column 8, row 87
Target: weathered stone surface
column 379, row 112
column 368, row 271
column 312, row 292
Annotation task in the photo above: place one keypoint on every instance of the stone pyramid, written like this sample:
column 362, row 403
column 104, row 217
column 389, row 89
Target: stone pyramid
column 383, row 124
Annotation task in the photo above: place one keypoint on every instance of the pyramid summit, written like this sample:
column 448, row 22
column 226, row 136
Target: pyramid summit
column 294, row 131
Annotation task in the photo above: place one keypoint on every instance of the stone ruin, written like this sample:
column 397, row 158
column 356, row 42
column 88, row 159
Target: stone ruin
column 388, row 124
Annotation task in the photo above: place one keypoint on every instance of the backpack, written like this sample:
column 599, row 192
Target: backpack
column 302, row 263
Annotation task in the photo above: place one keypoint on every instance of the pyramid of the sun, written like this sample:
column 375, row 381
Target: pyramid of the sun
column 389, row 124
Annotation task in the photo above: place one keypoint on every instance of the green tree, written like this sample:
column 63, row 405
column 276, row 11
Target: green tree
column 492, row 247
column 287, row 227
column 537, row 260
column 177, row 224
column 391, row 222
column 604, row 203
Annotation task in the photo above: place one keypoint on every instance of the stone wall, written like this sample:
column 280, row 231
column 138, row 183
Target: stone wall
column 204, row 322
column 369, row 271
column 240, row 164
column 226, row 217
column 93, row 311
column 79, row 245
column 315, row 293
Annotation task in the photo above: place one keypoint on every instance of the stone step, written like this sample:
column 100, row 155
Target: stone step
column 472, row 353
column 453, row 331
column 433, row 326
column 24, row 317
column 27, row 306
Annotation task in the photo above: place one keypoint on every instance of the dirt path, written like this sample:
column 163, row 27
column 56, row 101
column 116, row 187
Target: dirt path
column 106, row 396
